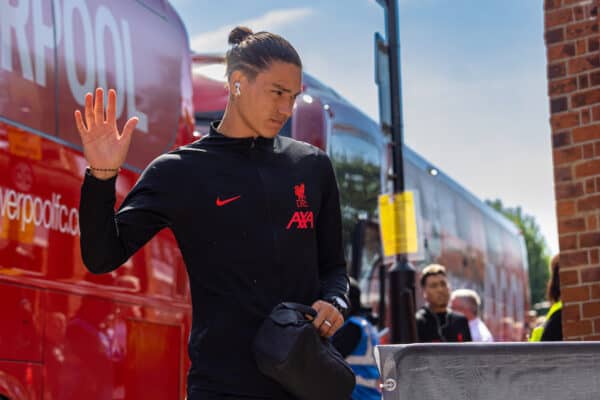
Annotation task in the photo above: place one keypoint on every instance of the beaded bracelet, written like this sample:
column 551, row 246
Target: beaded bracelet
column 105, row 169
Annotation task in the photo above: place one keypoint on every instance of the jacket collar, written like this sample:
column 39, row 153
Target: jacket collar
column 215, row 135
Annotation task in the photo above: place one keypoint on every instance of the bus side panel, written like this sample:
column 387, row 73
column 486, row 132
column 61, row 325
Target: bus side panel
column 99, row 349
column 20, row 381
column 39, row 192
column 27, row 66
column 81, row 345
column 21, row 323
column 153, row 362
column 130, row 47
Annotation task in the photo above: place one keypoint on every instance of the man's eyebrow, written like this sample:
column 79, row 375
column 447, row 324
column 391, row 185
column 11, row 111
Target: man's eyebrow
column 284, row 89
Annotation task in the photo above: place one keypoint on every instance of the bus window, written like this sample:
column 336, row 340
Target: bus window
column 447, row 211
column 366, row 249
column 356, row 159
column 367, row 267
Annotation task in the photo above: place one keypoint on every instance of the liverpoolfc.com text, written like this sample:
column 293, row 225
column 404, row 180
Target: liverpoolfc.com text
column 31, row 209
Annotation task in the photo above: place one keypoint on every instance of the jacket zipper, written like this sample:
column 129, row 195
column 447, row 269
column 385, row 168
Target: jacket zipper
column 272, row 228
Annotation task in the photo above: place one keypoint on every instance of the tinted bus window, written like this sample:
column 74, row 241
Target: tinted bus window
column 447, row 210
column 356, row 159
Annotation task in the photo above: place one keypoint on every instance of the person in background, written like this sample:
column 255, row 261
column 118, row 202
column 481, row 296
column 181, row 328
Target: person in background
column 551, row 330
column 435, row 323
column 506, row 333
column 467, row 302
column 518, row 331
column 530, row 323
column 355, row 341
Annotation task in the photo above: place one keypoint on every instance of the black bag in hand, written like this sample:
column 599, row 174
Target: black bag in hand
column 289, row 349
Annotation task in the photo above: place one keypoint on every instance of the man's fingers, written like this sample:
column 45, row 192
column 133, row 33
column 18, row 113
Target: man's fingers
column 324, row 322
column 328, row 319
column 111, row 108
column 319, row 319
column 129, row 128
column 79, row 123
column 336, row 321
column 327, row 328
column 335, row 325
column 89, row 111
column 99, row 107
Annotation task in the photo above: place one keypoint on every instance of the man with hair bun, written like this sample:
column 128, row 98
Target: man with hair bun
column 233, row 200
column 435, row 322
column 467, row 302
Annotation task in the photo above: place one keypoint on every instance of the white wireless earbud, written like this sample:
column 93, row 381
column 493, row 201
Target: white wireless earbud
column 237, row 88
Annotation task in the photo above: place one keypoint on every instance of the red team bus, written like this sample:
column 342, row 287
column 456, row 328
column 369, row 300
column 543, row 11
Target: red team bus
column 68, row 334
column 65, row 333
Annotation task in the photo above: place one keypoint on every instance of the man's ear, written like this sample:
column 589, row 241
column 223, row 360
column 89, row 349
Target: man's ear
column 237, row 76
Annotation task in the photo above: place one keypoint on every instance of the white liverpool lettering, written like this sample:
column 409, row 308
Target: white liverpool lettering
column 43, row 39
column 11, row 200
column 28, row 209
column 106, row 21
column 131, row 110
column 64, row 227
column 2, row 203
column 13, row 17
column 33, row 28
column 27, row 212
column 74, row 221
column 79, row 89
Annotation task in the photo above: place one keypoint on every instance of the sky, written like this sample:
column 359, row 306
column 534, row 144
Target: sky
column 474, row 86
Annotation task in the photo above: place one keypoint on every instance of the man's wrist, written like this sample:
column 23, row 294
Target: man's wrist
column 103, row 174
column 340, row 304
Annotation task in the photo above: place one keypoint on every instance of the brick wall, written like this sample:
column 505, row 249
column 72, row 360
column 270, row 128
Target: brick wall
column 573, row 56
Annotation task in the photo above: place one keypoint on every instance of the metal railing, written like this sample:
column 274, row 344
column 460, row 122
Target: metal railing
column 495, row 371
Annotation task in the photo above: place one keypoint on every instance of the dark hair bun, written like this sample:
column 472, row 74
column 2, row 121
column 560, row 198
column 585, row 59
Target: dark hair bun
column 238, row 34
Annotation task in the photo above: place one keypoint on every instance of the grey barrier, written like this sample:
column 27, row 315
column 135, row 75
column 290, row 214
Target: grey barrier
column 494, row 371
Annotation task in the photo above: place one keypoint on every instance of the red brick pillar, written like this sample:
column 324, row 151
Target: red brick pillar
column 572, row 44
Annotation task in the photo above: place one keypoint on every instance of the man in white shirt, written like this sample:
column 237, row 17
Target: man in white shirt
column 467, row 302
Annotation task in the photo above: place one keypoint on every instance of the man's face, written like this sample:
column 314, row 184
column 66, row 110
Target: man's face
column 436, row 291
column 266, row 102
column 459, row 306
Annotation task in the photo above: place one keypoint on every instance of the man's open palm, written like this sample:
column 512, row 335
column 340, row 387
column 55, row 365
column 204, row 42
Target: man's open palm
column 104, row 147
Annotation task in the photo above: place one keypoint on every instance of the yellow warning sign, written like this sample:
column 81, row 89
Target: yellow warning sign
column 398, row 223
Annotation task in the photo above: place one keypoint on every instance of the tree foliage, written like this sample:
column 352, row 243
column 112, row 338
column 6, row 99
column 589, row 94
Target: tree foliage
column 537, row 250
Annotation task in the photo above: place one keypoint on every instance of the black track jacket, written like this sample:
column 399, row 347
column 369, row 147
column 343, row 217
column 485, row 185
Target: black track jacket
column 442, row 327
column 257, row 221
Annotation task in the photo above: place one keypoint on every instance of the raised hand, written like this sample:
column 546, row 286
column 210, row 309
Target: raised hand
column 104, row 148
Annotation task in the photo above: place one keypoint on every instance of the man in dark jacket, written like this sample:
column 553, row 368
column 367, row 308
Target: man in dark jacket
column 435, row 323
column 256, row 216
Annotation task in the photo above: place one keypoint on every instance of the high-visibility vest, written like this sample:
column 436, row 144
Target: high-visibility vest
column 536, row 334
column 362, row 361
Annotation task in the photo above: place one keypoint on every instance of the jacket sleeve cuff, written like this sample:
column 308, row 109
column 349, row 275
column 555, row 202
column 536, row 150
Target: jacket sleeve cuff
column 98, row 188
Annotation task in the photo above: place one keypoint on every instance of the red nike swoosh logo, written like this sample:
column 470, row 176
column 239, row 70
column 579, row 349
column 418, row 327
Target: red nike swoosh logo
column 221, row 203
